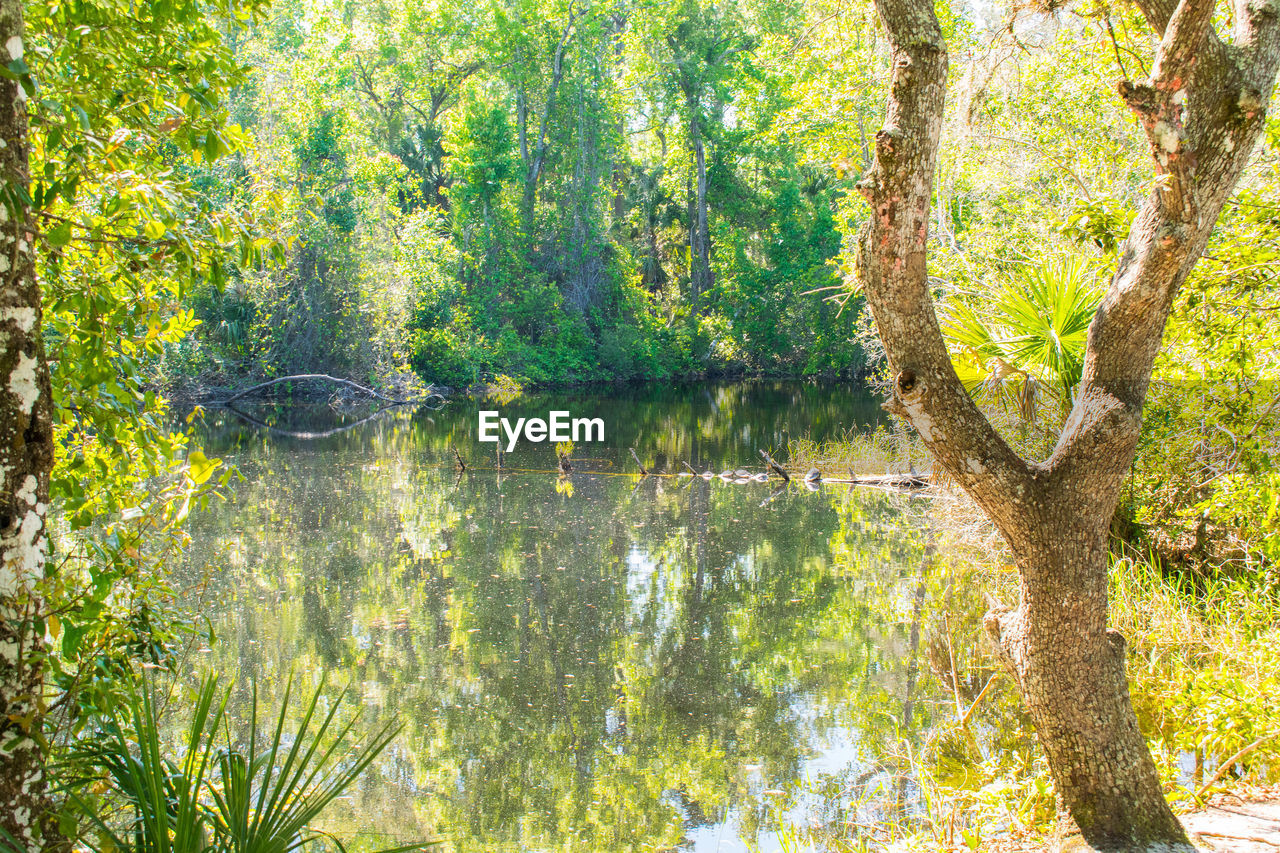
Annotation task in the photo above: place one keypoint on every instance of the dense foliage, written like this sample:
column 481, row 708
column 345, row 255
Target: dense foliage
column 129, row 113
column 515, row 187
column 561, row 192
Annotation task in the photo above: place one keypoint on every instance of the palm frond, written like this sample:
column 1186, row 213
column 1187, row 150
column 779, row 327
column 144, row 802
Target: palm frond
column 210, row 800
column 267, row 800
column 1030, row 338
column 168, row 815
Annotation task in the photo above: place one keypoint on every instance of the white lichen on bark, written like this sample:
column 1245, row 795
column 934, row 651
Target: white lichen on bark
column 24, row 383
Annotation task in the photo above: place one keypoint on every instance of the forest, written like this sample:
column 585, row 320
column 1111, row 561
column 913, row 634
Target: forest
column 1001, row 277
column 549, row 192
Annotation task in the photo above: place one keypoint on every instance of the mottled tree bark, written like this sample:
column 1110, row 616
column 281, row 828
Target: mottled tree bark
column 1202, row 110
column 26, row 458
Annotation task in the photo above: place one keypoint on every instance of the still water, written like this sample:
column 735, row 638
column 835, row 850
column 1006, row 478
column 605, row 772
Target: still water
column 595, row 662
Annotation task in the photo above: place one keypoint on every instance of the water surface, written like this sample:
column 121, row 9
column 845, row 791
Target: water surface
column 596, row 662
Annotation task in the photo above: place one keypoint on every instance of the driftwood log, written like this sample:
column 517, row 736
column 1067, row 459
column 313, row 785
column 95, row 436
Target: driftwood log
column 890, row 481
column 324, row 377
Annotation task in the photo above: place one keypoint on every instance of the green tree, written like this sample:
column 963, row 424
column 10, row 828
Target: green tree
column 125, row 106
column 1055, row 514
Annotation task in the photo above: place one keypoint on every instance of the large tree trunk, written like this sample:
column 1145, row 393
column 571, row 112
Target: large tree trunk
column 26, row 459
column 1202, row 111
column 1070, row 671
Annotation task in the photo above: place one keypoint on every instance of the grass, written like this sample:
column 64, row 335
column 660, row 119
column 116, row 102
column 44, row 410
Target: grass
column 1201, row 664
column 860, row 453
column 1204, row 683
column 1202, row 669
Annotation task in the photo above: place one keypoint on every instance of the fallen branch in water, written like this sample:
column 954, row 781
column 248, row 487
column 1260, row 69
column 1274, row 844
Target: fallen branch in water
column 774, row 466
column 304, row 434
column 1231, row 762
column 964, row 720
column 920, row 491
column 324, row 377
column 895, row 481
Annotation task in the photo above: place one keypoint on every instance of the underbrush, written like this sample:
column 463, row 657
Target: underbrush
column 1203, row 686
column 1201, row 641
column 1202, row 673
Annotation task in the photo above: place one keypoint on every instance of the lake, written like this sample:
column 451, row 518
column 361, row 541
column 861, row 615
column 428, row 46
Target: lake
column 591, row 662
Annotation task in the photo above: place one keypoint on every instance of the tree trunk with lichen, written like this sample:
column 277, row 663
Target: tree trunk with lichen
column 1202, row 110
column 26, row 458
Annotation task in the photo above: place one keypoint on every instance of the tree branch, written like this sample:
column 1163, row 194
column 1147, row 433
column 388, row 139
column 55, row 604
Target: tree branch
column 893, row 265
column 1049, row 155
column 1258, row 33
column 1157, row 12
column 1202, row 113
column 307, row 377
column 1183, row 37
column 540, row 149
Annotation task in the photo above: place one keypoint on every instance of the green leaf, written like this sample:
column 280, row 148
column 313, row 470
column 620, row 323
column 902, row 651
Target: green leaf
column 15, row 70
column 60, row 234
column 214, row 147
column 201, row 467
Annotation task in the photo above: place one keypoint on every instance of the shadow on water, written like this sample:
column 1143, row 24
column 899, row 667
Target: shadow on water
column 595, row 662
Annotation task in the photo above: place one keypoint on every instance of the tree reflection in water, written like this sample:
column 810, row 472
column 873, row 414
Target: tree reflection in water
column 619, row 667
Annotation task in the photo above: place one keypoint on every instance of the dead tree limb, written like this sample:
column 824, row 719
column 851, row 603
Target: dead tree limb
column 306, row 435
column 324, row 377
column 775, row 467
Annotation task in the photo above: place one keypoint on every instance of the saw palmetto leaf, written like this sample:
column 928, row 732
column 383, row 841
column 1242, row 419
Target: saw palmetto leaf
column 1024, row 348
column 259, row 799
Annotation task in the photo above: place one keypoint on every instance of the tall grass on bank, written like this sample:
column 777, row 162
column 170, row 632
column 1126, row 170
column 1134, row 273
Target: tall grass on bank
column 859, row 453
column 1202, row 682
column 1203, row 673
column 1201, row 645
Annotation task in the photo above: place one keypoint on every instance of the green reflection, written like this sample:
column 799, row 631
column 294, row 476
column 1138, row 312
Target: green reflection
column 624, row 665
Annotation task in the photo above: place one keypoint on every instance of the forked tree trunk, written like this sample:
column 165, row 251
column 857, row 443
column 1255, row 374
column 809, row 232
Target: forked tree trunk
column 1202, row 111
column 26, row 459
